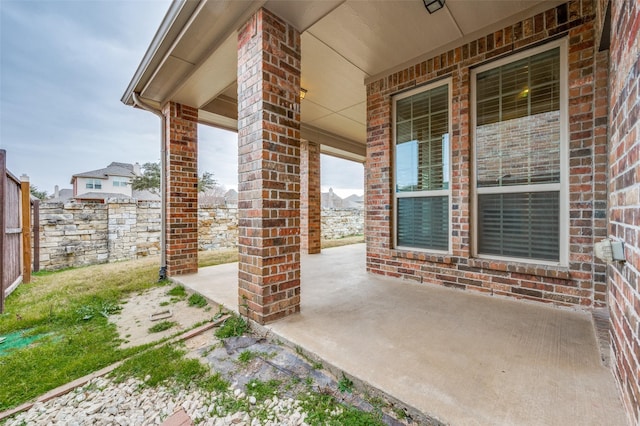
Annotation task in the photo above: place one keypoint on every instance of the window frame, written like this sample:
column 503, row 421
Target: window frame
column 416, row 194
column 120, row 182
column 93, row 183
column 562, row 187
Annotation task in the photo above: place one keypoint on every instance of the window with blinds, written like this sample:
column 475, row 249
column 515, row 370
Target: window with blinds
column 518, row 145
column 422, row 169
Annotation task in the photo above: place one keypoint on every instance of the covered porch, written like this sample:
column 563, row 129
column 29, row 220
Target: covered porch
column 458, row 357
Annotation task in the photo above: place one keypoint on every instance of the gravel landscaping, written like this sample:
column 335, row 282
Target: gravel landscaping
column 103, row 402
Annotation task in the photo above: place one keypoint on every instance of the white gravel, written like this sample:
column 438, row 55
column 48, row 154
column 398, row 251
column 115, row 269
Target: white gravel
column 103, row 402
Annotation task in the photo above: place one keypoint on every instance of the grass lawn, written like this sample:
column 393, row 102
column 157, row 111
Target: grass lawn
column 68, row 311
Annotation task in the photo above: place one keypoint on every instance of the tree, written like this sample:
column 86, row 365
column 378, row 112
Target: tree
column 206, row 182
column 150, row 179
column 38, row 194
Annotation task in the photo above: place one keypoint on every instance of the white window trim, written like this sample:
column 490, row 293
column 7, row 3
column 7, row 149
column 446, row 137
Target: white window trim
column 563, row 186
column 120, row 182
column 394, row 231
column 93, row 182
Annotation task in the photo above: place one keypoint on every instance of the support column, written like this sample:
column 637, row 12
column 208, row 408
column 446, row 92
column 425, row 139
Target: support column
column 181, row 186
column 310, row 201
column 268, row 168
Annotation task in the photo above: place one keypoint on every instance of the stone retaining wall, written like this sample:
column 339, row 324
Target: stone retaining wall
column 217, row 227
column 80, row 234
column 338, row 223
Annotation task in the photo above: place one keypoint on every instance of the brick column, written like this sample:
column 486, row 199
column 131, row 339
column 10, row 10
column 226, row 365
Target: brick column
column 181, row 189
column 269, row 168
column 310, row 220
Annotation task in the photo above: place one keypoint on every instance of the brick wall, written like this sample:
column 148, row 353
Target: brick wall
column 310, row 197
column 582, row 282
column 181, row 182
column 269, row 168
column 624, row 199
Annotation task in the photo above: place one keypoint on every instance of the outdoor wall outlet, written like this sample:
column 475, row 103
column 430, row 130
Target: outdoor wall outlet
column 609, row 251
column 617, row 250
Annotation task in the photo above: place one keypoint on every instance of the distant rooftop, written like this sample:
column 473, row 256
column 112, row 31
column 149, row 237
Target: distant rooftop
column 113, row 169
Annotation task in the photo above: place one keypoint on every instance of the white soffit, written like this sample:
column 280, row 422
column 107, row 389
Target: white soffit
column 344, row 44
column 310, row 111
column 302, row 14
column 202, row 45
column 357, row 112
column 342, row 126
column 331, row 80
column 376, row 35
column 216, row 74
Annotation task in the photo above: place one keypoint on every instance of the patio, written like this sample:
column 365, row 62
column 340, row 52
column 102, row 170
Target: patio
column 459, row 357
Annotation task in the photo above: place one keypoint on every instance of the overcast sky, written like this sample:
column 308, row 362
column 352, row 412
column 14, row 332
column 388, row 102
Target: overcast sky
column 64, row 66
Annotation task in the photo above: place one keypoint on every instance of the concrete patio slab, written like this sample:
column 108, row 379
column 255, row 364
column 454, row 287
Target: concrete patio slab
column 462, row 358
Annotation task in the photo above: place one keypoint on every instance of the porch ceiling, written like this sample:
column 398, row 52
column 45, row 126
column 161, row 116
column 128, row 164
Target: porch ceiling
column 193, row 57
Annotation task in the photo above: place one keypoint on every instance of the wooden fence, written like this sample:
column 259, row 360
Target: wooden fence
column 15, row 231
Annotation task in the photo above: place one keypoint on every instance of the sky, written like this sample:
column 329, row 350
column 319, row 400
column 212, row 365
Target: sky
column 64, row 65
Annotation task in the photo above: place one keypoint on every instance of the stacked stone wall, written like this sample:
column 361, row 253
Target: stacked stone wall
column 339, row 223
column 217, row 227
column 73, row 235
column 80, row 234
column 148, row 227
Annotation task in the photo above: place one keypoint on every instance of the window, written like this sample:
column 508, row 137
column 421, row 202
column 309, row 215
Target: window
column 94, row 184
column 120, row 182
column 520, row 157
column 422, row 168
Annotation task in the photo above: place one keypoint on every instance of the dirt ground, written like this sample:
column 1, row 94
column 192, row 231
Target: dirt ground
column 142, row 311
column 273, row 361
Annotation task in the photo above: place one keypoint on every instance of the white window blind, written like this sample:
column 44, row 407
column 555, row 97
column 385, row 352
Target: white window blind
column 518, row 158
column 422, row 169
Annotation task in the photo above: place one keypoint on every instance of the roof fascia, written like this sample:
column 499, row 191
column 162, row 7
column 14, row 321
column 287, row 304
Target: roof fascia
column 178, row 10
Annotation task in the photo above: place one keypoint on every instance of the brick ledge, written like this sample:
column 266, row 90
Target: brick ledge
column 559, row 272
column 422, row 256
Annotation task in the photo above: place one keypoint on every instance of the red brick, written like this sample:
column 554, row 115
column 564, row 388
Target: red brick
column 181, row 182
column 528, row 281
column 269, row 168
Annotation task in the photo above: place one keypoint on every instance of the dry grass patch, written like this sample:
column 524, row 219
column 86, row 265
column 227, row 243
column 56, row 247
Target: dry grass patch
column 345, row 241
column 217, row 257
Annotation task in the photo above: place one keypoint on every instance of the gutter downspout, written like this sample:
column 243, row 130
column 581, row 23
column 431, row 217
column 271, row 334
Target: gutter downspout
column 162, row 275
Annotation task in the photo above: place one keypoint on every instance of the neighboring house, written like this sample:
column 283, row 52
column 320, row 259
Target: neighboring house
column 330, row 200
column 500, row 142
column 353, row 202
column 114, row 181
column 61, row 195
column 231, row 198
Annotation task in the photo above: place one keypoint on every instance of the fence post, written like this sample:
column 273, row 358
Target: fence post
column 36, row 235
column 26, row 228
column 3, row 228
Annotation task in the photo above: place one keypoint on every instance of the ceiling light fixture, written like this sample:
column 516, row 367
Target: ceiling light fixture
column 303, row 93
column 433, row 5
